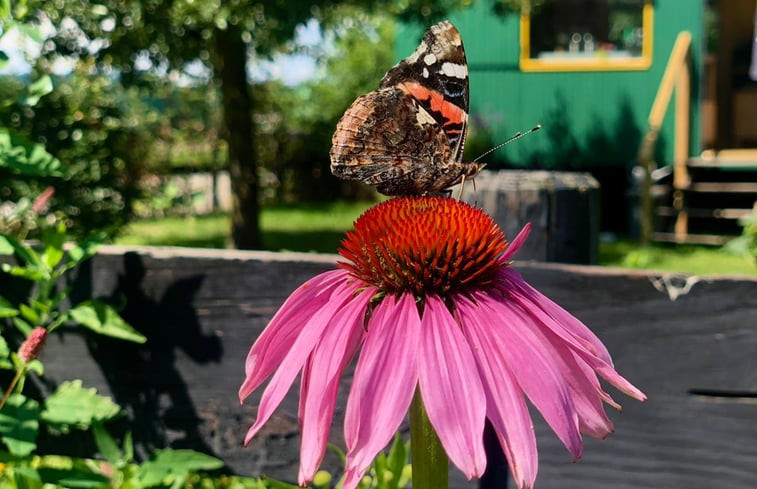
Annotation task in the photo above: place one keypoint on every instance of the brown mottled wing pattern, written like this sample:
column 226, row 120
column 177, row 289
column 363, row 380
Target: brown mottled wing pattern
column 380, row 142
column 407, row 137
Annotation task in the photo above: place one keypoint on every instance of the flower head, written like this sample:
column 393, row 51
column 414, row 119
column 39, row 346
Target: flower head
column 32, row 345
column 428, row 298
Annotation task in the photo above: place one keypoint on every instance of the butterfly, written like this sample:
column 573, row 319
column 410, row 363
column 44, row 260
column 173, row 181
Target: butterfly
column 407, row 137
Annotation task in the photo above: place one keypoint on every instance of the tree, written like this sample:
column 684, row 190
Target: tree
column 165, row 35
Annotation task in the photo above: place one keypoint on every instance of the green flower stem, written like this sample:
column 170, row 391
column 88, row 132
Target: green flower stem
column 429, row 459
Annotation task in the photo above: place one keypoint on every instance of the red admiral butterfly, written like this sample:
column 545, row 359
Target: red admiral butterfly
column 407, row 137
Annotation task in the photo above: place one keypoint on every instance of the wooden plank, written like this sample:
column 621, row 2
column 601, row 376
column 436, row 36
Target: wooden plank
column 744, row 154
column 724, row 187
column 746, row 164
column 707, row 213
column 202, row 310
column 671, row 75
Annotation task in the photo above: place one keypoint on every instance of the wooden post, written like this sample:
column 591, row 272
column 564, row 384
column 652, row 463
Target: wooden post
column 675, row 70
column 681, row 179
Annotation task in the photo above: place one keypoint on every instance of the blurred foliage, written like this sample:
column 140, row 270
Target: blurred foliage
column 746, row 244
column 294, row 125
column 99, row 130
column 19, row 155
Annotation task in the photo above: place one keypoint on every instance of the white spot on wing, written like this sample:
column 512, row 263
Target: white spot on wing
column 422, row 48
column 423, row 117
column 454, row 70
column 429, row 59
column 425, row 72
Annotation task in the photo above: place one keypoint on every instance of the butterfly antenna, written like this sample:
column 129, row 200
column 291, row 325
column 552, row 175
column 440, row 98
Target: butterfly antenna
column 512, row 138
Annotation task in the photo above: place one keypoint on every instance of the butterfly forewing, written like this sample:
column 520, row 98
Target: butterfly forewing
column 408, row 136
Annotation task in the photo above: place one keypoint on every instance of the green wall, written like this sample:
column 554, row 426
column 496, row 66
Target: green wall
column 590, row 118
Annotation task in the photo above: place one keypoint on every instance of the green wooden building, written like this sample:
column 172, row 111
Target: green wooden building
column 589, row 72
column 592, row 114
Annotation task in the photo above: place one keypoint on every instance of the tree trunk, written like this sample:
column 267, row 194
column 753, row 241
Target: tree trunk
column 230, row 65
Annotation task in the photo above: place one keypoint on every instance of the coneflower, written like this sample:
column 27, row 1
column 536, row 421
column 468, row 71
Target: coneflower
column 429, row 300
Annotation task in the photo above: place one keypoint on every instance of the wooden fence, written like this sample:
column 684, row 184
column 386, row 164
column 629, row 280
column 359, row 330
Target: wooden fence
column 695, row 357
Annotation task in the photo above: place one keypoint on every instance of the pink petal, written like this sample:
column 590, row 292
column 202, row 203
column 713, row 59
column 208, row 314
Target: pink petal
column 561, row 318
column 352, row 478
column 384, row 382
column 591, row 413
column 570, row 329
column 295, row 358
column 276, row 339
column 530, row 358
column 320, row 381
column 505, row 406
column 516, row 244
column 451, row 389
column 586, row 392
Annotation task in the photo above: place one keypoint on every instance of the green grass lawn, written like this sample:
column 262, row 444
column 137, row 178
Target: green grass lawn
column 691, row 259
column 320, row 227
column 310, row 227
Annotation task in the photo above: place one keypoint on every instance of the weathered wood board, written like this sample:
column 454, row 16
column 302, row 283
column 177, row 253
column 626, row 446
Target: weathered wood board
column 562, row 207
column 695, row 357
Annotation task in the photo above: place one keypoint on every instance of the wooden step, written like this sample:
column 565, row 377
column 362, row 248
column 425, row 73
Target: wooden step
column 724, row 187
column 706, row 213
column 726, row 158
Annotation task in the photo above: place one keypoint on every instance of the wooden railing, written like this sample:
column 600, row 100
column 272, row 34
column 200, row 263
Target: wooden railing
column 677, row 77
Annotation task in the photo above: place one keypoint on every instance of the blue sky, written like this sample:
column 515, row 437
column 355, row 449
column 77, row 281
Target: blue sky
column 291, row 69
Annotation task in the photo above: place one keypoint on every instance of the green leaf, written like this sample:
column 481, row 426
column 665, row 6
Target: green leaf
column 168, row 466
column 25, row 253
column 396, row 461
column 107, row 445
column 128, row 447
column 85, row 250
column 54, row 238
column 5, row 353
column 71, row 405
column 7, row 310
column 23, row 156
column 27, row 273
column 22, row 326
column 29, row 314
column 5, row 247
column 26, row 478
column 35, row 366
column 4, row 58
column 274, row 484
column 75, row 477
column 19, row 424
column 104, row 319
column 36, row 90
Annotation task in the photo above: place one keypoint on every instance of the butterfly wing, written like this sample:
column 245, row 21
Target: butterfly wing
column 387, row 139
column 436, row 75
column 408, row 137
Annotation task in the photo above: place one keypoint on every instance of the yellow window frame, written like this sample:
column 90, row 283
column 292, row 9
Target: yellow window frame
column 597, row 63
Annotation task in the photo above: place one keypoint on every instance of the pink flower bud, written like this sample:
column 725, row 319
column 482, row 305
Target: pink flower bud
column 32, row 345
column 42, row 200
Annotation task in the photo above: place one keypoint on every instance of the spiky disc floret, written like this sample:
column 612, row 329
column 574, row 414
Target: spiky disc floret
column 424, row 245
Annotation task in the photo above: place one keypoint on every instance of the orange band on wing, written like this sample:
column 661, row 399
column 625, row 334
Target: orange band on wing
column 451, row 112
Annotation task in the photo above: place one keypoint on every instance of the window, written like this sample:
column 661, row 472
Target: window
column 585, row 35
